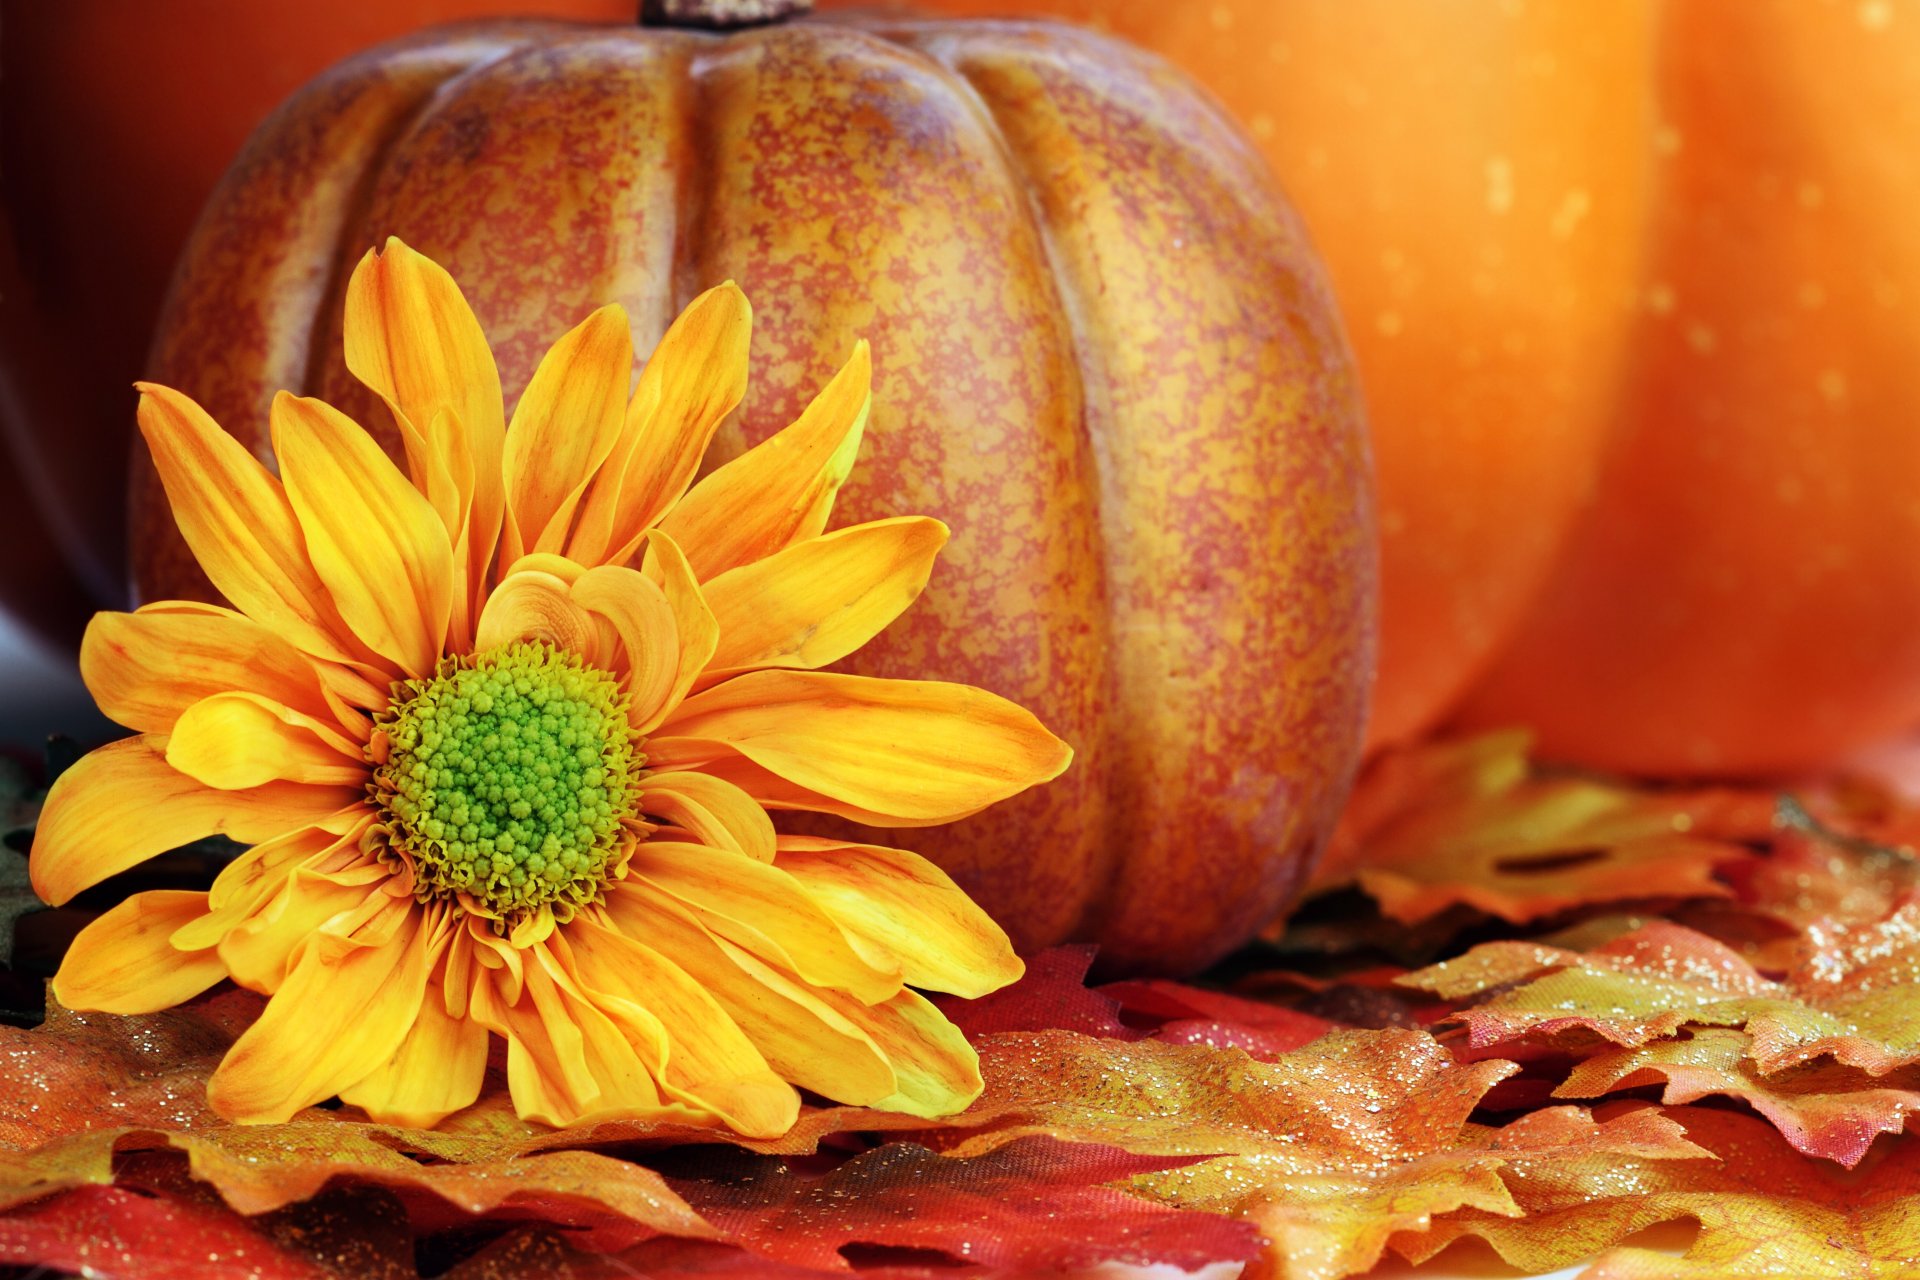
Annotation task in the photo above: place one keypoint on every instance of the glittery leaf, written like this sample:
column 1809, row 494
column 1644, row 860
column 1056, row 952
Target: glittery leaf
column 1854, row 995
column 1822, row 1108
column 1762, row 1210
column 1470, row 823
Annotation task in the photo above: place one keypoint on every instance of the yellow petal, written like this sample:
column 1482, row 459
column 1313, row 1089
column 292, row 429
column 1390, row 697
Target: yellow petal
column 691, row 383
column 567, row 1062
column 781, row 491
column 145, row 668
column 902, row 907
column 640, row 640
column 412, row 339
column 710, row 1063
column 122, row 804
column 237, row 520
column 563, row 428
column 715, row 812
column 124, row 963
column 937, row 1070
column 373, row 539
column 437, row 1070
column 342, row 1014
column 919, row 750
column 699, row 633
column 763, row 910
column 238, row 740
column 260, row 950
column 818, row 601
column 531, row 605
column 802, row 1039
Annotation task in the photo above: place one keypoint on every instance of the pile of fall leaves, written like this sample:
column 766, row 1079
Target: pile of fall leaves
column 1525, row 1011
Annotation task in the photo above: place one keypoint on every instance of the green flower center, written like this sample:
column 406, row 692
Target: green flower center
column 507, row 777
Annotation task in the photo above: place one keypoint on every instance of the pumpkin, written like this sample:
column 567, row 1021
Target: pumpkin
column 1744, row 596
column 1474, row 174
column 1105, row 354
column 1631, row 288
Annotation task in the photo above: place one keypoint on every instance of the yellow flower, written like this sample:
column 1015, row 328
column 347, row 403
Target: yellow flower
column 504, row 734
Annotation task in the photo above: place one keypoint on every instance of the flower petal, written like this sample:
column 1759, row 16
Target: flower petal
column 566, row 1060
column 532, row 605
column 691, row 383
column 918, row 750
column 712, row 810
column 937, row 1070
column 412, row 339
column 236, row 518
column 373, row 539
column 437, row 1070
column 763, row 910
column 802, row 1039
column 710, row 1063
column 233, row 741
column 563, row 428
column 145, row 668
column 342, row 1014
column 261, row 948
column 645, row 640
column 904, row 908
column 699, row 632
column 123, row 803
column 780, row 491
column 817, row 601
column 124, row 963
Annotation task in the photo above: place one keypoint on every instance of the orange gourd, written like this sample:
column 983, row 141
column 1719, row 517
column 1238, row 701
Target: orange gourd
column 1475, row 174
column 1105, row 355
column 1631, row 290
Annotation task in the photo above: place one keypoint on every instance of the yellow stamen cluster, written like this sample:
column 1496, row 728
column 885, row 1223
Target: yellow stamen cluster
column 507, row 777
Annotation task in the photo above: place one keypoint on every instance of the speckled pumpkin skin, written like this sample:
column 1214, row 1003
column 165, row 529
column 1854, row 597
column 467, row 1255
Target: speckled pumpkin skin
column 1105, row 355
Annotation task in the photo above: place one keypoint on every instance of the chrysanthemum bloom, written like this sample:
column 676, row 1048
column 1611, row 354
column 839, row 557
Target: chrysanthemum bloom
column 504, row 736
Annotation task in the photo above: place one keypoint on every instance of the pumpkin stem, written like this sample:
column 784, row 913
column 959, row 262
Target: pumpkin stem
column 720, row 15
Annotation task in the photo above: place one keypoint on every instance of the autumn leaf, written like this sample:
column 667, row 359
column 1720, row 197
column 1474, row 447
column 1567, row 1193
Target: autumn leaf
column 1762, row 1210
column 1470, row 823
column 1193, row 1015
column 1855, row 995
column 1822, row 1108
column 1327, row 1219
column 1035, row 1204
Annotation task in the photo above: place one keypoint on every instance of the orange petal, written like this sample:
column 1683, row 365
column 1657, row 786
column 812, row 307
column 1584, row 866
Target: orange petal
column 437, row 1070
column 145, row 668
column 124, row 963
column 818, row 601
column 937, row 1070
column 374, row 540
column 563, row 428
column 261, row 948
column 781, row 491
column 692, row 381
column 122, row 804
column 567, row 1062
column 531, row 605
column 237, row 520
column 921, row 751
column 902, row 907
column 342, row 1014
column 640, row 622
column 763, row 910
column 238, row 740
column 412, row 339
column 710, row 1064
column 712, row 810
column 699, row 633
column 802, row 1039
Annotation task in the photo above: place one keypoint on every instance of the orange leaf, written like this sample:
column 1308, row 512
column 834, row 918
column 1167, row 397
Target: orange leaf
column 1471, row 823
column 1761, row 1210
column 1822, row 1108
